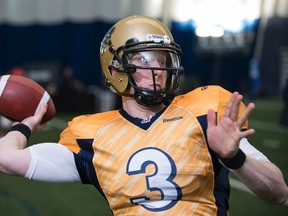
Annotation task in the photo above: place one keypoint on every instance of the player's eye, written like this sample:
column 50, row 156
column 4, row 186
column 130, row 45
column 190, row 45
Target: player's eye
column 149, row 58
column 143, row 60
column 140, row 60
column 162, row 62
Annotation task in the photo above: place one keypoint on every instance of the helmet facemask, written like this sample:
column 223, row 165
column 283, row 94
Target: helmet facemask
column 168, row 58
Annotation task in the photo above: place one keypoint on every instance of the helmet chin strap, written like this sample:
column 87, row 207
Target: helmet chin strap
column 148, row 98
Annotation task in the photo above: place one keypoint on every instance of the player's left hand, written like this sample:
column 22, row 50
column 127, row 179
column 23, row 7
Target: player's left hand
column 224, row 137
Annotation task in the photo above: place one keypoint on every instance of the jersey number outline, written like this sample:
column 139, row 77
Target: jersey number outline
column 161, row 180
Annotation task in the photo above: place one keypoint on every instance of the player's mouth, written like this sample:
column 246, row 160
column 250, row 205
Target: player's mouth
column 157, row 86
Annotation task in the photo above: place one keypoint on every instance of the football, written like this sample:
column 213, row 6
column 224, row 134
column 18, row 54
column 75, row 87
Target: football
column 21, row 97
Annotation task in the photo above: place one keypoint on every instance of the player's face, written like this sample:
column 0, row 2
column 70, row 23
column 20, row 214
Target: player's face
column 144, row 76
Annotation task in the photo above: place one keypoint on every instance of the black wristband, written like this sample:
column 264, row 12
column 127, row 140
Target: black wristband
column 235, row 162
column 22, row 128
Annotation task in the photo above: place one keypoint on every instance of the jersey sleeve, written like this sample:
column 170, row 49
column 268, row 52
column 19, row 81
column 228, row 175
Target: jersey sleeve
column 68, row 139
column 68, row 136
column 79, row 138
column 200, row 100
column 80, row 143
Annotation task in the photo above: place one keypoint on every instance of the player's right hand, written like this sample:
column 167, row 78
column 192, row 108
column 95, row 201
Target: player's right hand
column 34, row 122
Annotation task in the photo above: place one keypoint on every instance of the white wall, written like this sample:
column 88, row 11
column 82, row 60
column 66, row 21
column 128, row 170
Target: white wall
column 25, row 12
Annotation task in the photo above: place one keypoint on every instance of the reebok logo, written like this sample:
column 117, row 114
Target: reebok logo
column 172, row 119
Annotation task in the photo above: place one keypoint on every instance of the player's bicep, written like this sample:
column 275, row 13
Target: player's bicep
column 53, row 163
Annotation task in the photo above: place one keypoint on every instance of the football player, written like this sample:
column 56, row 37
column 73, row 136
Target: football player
column 161, row 153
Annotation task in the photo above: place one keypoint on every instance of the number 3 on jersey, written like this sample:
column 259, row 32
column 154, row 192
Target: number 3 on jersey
column 161, row 180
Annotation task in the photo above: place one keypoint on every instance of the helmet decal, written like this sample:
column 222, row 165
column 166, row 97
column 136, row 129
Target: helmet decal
column 158, row 38
column 106, row 42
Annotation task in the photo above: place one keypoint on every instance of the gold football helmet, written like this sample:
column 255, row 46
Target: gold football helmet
column 130, row 36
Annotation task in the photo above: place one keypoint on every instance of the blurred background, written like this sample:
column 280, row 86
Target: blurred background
column 239, row 44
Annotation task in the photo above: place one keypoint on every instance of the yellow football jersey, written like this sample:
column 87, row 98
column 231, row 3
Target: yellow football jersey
column 166, row 169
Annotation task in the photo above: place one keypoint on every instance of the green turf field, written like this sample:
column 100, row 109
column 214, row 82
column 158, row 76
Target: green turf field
column 21, row 197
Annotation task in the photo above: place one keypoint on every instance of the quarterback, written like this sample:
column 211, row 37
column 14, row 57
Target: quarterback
column 162, row 153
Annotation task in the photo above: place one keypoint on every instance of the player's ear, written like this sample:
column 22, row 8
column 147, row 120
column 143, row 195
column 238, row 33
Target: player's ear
column 112, row 72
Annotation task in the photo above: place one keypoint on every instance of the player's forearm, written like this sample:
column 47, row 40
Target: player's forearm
column 13, row 159
column 264, row 179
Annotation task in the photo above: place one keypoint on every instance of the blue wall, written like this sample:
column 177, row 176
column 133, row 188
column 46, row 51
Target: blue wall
column 77, row 45
column 70, row 44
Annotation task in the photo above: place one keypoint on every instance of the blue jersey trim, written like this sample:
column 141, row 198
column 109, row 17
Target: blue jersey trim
column 222, row 185
column 85, row 165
